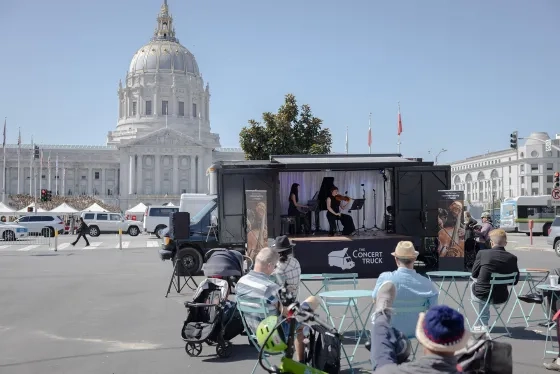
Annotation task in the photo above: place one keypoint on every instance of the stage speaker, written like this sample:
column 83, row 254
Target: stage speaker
column 179, row 225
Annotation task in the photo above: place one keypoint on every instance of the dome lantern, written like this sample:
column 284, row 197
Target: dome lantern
column 165, row 29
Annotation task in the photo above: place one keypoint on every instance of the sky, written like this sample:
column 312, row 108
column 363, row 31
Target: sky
column 466, row 73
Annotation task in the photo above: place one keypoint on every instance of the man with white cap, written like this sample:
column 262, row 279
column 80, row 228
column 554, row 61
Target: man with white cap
column 441, row 331
column 410, row 285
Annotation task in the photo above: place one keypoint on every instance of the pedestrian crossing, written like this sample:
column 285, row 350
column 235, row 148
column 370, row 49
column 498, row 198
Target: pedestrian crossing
column 67, row 246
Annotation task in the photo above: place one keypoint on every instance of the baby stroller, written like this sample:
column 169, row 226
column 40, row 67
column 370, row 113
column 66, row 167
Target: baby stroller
column 211, row 319
column 229, row 265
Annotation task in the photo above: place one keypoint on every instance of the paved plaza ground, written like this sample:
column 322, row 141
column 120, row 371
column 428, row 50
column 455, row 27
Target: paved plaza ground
column 104, row 311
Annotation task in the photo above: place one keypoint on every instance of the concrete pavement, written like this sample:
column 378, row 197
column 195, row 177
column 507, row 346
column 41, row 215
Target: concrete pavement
column 105, row 312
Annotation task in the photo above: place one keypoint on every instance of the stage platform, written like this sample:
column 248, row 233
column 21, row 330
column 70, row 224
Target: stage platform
column 367, row 254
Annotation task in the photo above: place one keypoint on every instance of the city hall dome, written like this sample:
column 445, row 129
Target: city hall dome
column 163, row 52
column 532, row 139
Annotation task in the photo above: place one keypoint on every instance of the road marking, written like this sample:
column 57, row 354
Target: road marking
column 28, row 248
column 152, row 243
column 95, row 244
column 63, row 245
column 124, row 245
column 4, row 246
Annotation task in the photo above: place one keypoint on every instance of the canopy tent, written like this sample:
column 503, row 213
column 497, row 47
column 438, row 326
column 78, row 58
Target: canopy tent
column 32, row 205
column 140, row 208
column 169, row 204
column 4, row 209
column 64, row 209
column 95, row 208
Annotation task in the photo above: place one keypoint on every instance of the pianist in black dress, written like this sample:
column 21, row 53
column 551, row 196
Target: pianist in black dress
column 295, row 209
column 333, row 214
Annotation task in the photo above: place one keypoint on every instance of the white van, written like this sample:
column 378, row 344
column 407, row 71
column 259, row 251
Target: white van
column 194, row 202
column 156, row 219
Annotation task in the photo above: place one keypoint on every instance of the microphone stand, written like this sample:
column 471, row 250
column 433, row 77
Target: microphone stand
column 364, row 209
column 375, row 210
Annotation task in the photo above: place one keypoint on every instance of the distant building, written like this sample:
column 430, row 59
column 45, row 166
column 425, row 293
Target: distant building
column 528, row 171
column 162, row 144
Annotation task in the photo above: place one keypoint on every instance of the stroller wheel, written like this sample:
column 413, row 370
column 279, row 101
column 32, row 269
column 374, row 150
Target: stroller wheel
column 193, row 349
column 224, row 350
column 210, row 342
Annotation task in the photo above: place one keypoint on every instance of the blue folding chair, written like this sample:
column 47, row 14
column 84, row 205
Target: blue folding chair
column 331, row 281
column 254, row 306
column 496, row 279
column 409, row 309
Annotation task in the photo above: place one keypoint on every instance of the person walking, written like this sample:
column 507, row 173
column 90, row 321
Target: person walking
column 82, row 231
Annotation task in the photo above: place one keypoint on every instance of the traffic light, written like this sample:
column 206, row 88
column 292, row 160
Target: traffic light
column 36, row 152
column 556, row 180
column 513, row 140
column 43, row 195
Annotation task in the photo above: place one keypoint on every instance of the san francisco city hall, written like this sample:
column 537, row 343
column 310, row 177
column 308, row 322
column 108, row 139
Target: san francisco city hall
column 162, row 145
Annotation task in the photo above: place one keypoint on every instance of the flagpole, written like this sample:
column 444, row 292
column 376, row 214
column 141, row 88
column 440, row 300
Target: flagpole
column 399, row 129
column 49, row 167
column 56, row 175
column 369, row 134
column 19, row 163
column 31, row 168
column 346, row 139
column 63, row 178
column 4, row 169
column 41, row 169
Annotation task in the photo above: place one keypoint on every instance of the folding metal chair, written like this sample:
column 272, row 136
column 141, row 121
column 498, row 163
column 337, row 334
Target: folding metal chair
column 334, row 280
column 255, row 306
column 496, row 279
column 410, row 309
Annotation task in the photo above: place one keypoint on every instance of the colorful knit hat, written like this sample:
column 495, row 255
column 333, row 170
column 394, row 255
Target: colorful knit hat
column 442, row 329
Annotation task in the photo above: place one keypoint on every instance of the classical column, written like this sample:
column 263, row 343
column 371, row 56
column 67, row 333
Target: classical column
column 104, row 182
column 176, row 174
column 90, row 181
column 193, row 173
column 139, row 186
column 131, row 175
column 157, row 179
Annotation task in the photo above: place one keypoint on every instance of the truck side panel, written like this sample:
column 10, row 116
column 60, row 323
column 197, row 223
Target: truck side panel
column 232, row 184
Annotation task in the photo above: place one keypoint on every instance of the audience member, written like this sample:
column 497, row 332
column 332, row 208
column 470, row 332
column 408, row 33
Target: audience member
column 288, row 268
column 494, row 260
column 441, row 332
column 410, row 285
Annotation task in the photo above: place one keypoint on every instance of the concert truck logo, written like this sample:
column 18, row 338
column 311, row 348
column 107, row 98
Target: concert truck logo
column 341, row 259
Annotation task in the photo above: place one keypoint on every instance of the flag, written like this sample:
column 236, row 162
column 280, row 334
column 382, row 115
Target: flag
column 41, row 158
column 56, row 166
column 369, row 132
column 49, row 161
column 399, row 125
column 19, row 139
column 4, row 142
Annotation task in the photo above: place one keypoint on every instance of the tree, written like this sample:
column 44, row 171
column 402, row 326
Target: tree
column 290, row 131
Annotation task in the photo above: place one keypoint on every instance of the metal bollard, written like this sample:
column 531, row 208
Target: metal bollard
column 55, row 240
column 120, row 239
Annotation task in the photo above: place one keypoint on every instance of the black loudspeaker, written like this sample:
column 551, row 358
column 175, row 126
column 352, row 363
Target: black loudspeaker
column 179, row 225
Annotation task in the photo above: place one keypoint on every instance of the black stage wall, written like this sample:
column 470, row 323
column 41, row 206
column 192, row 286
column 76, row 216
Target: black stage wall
column 367, row 257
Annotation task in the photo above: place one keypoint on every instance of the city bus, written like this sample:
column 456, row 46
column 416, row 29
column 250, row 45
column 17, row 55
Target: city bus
column 515, row 213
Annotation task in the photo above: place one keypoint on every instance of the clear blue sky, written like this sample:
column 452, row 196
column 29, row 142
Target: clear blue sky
column 467, row 73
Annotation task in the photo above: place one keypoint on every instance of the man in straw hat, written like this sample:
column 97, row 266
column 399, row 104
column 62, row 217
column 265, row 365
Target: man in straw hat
column 410, row 284
column 441, row 331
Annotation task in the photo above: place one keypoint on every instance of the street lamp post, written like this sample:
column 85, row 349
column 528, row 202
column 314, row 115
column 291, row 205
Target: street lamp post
column 439, row 153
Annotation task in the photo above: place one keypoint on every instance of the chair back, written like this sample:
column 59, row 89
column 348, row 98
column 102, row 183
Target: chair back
column 331, row 281
column 406, row 314
column 254, row 306
column 501, row 279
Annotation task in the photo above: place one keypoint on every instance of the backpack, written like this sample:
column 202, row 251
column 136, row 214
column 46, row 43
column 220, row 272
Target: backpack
column 325, row 350
column 486, row 356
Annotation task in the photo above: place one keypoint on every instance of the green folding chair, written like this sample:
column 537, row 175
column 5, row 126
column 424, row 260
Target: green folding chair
column 410, row 309
column 496, row 279
column 254, row 306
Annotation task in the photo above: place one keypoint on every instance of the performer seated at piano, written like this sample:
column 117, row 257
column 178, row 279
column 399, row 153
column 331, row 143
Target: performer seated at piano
column 298, row 210
column 334, row 207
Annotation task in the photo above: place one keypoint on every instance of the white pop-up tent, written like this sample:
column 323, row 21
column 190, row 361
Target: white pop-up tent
column 32, row 205
column 140, row 208
column 95, row 208
column 64, row 209
column 4, row 209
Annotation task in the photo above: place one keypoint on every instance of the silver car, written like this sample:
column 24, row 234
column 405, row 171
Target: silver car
column 553, row 237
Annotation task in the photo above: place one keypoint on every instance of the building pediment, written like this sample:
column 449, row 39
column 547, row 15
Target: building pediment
column 165, row 137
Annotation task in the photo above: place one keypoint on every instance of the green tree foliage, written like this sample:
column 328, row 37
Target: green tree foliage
column 292, row 130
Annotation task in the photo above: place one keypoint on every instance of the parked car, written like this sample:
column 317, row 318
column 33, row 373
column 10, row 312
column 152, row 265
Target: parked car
column 553, row 237
column 11, row 232
column 42, row 225
column 156, row 219
column 109, row 223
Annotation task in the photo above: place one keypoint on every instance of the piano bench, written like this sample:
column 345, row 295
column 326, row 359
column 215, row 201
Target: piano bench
column 288, row 224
